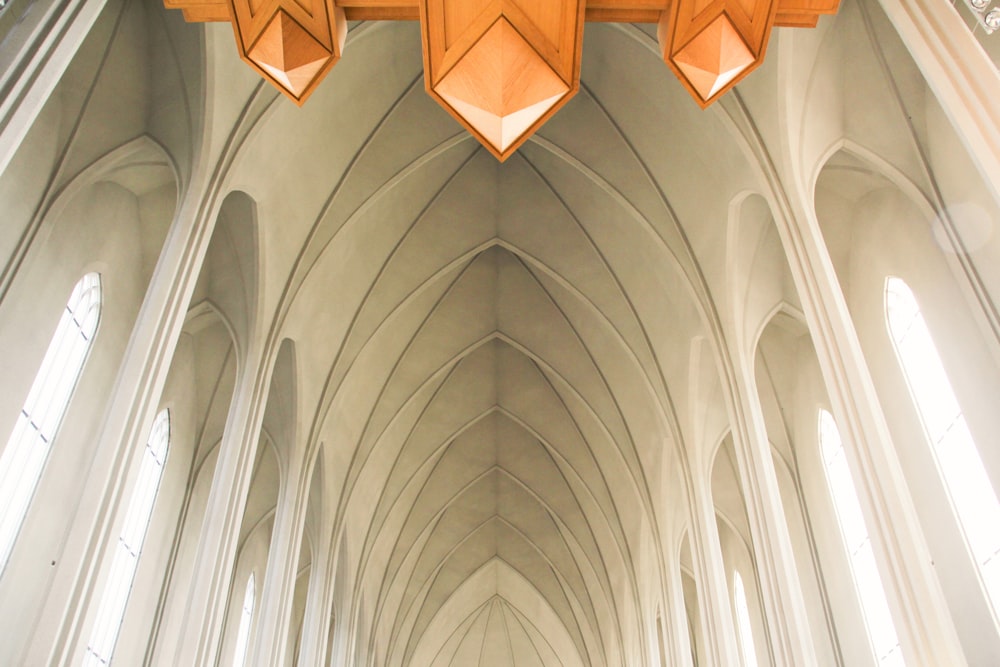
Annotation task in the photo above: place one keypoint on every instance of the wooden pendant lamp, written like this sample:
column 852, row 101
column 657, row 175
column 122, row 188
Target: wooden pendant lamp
column 503, row 67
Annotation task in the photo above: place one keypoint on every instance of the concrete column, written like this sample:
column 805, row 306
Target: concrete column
column 141, row 377
column 715, row 603
column 784, row 605
column 208, row 593
column 675, row 621
column 34, row 62
column 961, row 74
column 317, row 644
column 278, row 592
column 922, row 620
column 926, row 630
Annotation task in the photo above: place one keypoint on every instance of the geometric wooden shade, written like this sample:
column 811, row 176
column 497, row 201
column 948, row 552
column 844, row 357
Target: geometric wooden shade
column 502, row 67
column 287, row 53
column 714, row 58
column 712, row 45
column 292, row 43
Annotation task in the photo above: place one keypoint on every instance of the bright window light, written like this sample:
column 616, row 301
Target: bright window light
column 246, row 618
column 972, row 494
column 743, row 622
column 28, row 448
column 111, row 611
column 867, row 582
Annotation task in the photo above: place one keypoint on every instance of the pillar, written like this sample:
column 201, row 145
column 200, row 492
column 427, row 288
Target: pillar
column 922, row 620
column 675, row 621
column 278, row 589
column 784, row 605
column 715, row 603
column 208, row 591
column 129, row 416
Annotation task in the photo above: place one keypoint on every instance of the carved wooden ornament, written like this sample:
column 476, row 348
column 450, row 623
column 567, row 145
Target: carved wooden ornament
column 502, row 67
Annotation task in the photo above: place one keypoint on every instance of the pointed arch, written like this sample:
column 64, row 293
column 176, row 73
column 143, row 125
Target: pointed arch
column 118, row 586
column 959, row 462
column 861, row 558
column 27, row 450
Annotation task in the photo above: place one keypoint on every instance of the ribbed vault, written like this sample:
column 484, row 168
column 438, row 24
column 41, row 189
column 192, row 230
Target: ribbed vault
column 498, row 635
column 513, row 371
column 488, row 348
column 446, row 411
column 486, row 451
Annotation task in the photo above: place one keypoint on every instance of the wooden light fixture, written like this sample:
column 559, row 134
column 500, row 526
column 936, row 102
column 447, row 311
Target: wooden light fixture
column 503, row 67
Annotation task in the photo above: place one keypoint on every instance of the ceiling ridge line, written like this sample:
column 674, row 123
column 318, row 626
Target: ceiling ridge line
column 477, row 612
column 582, row 484
column 641, row 482
column 604, row 379
column 709, row 315
column 428, row 529
column 400, row 619
column 331, row 391
column 480, row 568
column 438, row 454
column 466, row 352
column 347, row 489
column 439, row 514
column 471, row 255
column 289, row 292
column 493, row 336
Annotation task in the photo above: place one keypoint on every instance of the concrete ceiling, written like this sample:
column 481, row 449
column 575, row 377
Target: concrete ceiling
column 510, row 370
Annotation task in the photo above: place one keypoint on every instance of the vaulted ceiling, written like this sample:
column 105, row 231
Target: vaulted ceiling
column 512, row 370
column 487, row 350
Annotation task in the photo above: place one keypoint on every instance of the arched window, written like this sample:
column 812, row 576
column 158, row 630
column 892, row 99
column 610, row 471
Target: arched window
column 867, row 582
column 246, row 619
column 118, row 586
column 971, row 492
column 743, row 622
column 28, row 448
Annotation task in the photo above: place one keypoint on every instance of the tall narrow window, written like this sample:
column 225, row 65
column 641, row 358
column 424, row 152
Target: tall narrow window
column 28, row 448
column 867, row 582
column 972, row 494
column 111, row 611
column 743, row 622
column 246, row 619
